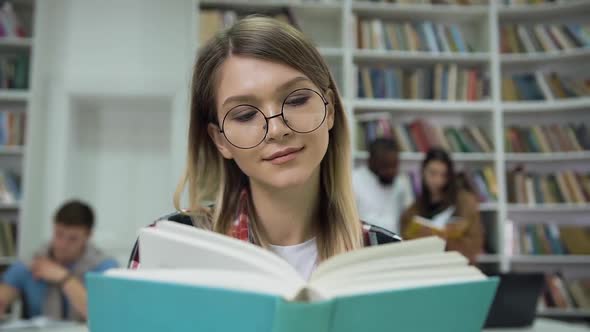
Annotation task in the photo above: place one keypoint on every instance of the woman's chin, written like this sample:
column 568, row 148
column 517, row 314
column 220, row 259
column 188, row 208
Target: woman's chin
column 286, row 180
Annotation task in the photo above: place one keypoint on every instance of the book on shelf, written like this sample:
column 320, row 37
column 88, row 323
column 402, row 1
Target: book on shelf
column 437, row 82
column 551, row 239
column 543, row 86
column 420, row 135
column 566, row 293
column 8, row 231
column 10, row 187
column 12, row 128
column 564, row 186
column 426, row 36
column 482, row 182
column 539, row 38
column 547, row 138
column 210, row 277
column 14, row 71
column 213, row 20
column 10, row 23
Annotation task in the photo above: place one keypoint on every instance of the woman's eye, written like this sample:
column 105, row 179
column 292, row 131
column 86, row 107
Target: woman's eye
column 245, row 116
column 297, row 101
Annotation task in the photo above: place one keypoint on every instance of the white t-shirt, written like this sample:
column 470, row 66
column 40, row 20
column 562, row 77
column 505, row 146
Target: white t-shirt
column 303, row 256
column 379, row 204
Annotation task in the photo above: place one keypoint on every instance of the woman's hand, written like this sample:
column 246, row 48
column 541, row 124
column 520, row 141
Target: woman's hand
column 456, row 229
column 424, row 231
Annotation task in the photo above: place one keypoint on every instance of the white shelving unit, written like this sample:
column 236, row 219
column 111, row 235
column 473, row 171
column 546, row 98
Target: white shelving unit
column 16, row 101
column 341, row 52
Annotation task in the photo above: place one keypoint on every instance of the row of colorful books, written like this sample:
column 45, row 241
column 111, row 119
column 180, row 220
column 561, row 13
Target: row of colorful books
column 520, row 38
column 438, row 82
column 551, row 239
column 482, row 182
column 213, row 20
column 565, row 293
column 565, row 186
column 12, row 128
column 547, row 138
column 10, row 187
column 419, row 136
column 14, row 72
column 424, row 36
column 7, row 238
column 543, row 86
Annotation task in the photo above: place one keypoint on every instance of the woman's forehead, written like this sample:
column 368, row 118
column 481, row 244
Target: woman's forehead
column 241, row 75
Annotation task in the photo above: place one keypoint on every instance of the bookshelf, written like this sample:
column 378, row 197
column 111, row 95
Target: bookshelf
column 16, row 44
column 481, row 28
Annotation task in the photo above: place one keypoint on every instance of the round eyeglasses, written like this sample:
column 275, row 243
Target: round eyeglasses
column 246, row 126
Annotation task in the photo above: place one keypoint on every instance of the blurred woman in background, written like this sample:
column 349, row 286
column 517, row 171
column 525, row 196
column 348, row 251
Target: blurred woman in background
column 444, row 209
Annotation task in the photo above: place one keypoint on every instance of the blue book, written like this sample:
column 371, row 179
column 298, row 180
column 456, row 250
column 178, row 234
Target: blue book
column 428, row 33
column 552, row 232
column 445, row 83
column 378, row 82
column 215, row 283
column 359, row 83
column 458, row 38
column 389, row 83
column 576, row 30
column 527, row 87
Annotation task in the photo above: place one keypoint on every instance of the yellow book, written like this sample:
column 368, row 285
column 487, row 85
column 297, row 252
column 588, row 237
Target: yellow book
column 439, row 225
column 488, row 173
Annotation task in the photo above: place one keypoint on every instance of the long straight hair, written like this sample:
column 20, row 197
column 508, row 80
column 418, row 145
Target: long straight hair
column 450, row 189
column 209, row 175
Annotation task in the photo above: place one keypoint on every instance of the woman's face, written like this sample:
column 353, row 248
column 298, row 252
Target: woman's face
column 285, row 157
column 435, row 176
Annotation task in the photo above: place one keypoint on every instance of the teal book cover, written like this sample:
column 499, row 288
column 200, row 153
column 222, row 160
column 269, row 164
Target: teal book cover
column 119, row 304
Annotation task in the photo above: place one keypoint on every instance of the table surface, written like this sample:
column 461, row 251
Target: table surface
column 541, row 325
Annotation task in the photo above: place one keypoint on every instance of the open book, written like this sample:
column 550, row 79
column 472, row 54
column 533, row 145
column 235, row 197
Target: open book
column 438, row 224
column 206, row 281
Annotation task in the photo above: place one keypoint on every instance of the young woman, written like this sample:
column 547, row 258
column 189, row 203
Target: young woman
column 441, row 197
column 268, row 139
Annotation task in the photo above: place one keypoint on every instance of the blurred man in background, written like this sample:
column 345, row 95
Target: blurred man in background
column 380, row 195
column 52, row 284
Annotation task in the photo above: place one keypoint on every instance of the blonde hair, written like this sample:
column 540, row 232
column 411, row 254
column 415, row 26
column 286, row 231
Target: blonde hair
column 209, row 175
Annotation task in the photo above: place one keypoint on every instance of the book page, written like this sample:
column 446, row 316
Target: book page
column 400, row 280
column 180, row 246
column 223, row 279
column 429, row 245
column 394, row 264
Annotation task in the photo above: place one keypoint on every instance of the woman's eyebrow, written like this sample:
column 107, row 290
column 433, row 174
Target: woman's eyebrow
column 292, row 82
column 240, row 99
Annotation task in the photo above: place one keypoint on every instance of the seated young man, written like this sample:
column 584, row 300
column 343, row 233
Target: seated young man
column 52, row 283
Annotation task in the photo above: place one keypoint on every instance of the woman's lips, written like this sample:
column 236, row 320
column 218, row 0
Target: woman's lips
column 284, row 156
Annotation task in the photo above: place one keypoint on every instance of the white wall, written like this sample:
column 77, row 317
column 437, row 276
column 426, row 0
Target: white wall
column 110, row 82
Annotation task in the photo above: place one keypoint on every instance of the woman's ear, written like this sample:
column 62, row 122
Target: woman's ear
column 330, row 98
column 219, row 140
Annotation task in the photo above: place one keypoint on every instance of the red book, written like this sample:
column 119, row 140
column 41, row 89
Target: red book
column 472, row 85
column 419, row 135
